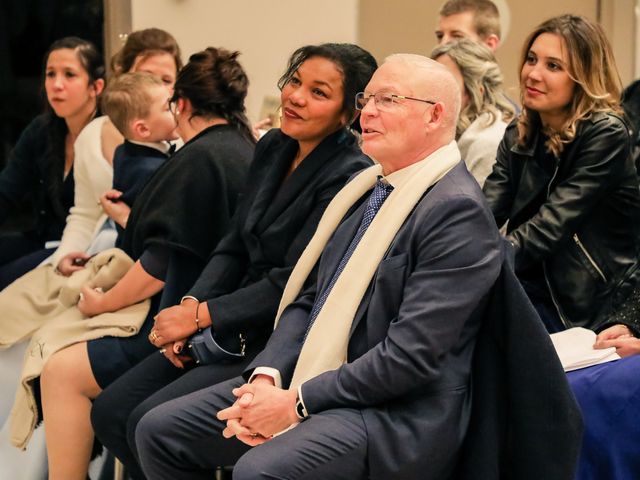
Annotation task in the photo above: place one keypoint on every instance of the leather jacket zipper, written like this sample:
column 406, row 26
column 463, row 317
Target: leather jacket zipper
column 589, row 257
column 564, row 321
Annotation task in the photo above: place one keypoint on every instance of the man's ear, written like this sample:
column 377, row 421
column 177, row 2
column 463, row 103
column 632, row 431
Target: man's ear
column 492, row 41
column 140, row 129
column 435, row 117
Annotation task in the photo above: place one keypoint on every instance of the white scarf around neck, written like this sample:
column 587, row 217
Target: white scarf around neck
column 326, row 345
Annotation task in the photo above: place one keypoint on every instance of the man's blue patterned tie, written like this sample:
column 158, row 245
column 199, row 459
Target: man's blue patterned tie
column 380, row 193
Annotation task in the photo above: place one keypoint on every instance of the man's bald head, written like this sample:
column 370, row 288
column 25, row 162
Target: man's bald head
column 434, row 81
column 416, row 107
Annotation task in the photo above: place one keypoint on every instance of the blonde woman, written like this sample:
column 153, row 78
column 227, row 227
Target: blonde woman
column 565, row 181
column 564, row 178
column 485, row 108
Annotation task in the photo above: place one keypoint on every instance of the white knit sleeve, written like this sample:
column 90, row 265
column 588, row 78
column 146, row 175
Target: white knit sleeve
column 93, row 175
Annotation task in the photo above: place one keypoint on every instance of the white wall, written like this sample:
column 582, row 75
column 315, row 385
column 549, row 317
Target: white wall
column 265, row 31
column 619, row 21
column 414, row 23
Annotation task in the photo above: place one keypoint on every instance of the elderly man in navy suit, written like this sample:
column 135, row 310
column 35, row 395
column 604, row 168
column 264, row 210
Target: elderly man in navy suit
column 367, row 372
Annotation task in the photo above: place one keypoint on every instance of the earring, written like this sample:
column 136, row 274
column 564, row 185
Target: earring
column 177, row 112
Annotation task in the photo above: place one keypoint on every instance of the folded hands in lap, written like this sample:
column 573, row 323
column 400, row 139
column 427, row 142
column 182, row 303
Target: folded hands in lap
column 171, row 329
column 260, row 411
column 175, row 323
column 172, row 352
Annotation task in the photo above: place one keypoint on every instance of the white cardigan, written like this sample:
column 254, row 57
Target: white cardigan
column 478, row 145
column 93, row 176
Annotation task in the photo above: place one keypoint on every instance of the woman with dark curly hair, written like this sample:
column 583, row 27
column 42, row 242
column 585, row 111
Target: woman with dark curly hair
column 296, row 171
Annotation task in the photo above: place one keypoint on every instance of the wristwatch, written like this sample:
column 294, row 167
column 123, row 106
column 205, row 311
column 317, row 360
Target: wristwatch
column 301, row 411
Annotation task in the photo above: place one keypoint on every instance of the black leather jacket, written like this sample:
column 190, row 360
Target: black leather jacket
column 584, row 231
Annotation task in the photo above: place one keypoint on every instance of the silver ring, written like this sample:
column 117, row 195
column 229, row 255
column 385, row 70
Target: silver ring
column 163, row 351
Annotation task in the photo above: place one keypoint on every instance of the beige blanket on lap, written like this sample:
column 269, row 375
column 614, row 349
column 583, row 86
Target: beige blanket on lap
column 41, row 305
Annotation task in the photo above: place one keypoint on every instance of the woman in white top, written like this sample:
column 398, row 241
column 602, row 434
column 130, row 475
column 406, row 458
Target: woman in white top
column 41, row 164
column 485, row 108
column 151, row 50
column 86, row 232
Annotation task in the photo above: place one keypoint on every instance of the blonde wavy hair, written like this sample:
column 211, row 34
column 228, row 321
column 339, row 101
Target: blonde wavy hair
column 591, row 65
column 482, row 82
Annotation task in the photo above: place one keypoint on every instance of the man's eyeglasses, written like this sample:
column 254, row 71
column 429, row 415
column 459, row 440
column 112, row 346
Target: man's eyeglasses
column 384, row 100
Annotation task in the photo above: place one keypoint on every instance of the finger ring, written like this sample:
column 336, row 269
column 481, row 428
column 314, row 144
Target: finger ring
column 254, row 435
column 153, row 335
column 163, row 350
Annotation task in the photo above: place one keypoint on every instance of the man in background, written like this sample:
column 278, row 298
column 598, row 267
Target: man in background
column 478, row 20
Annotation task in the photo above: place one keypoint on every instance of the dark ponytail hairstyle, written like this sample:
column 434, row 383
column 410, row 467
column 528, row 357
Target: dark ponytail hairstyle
column 91, row 60
column 216, row 85
column 354, row 62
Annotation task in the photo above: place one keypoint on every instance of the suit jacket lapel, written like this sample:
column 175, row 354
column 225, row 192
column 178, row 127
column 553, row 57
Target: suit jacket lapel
column 366, row 298
column 302, row 176
column 339, row 244
column 268, row 186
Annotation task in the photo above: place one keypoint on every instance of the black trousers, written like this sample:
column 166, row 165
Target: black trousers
column 154, row 381
column 19, row 254
column 182, row 439
column 14, row 245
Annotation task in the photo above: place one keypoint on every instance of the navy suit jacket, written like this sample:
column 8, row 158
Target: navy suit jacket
column 525, row 423
column 133, row 166
column 411, row 343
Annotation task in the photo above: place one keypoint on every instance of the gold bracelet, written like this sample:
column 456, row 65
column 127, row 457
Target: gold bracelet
column 190, row 297
column 198, row 319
